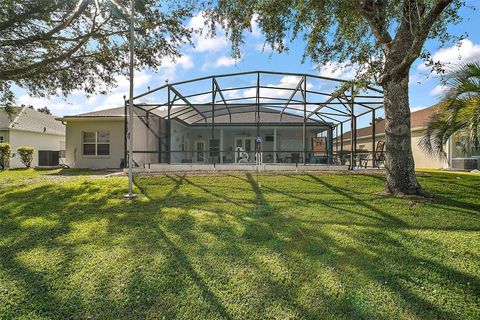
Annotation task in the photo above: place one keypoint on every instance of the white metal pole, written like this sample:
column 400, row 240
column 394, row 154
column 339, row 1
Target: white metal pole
column 130, row 194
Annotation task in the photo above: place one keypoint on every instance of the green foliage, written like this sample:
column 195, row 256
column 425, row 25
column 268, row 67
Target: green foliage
column 5, row 151
column 357, row 32
column 44, row 110
column 323, row 246
column 459, row 112
column 26, row 155
column 67, row 45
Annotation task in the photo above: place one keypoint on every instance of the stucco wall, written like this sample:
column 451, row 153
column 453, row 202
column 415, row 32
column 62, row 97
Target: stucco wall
column 39, row 141
column 74, row 156
column 421, row 158
column 5, row 135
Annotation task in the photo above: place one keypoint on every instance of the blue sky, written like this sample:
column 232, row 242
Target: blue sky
column 212, row 56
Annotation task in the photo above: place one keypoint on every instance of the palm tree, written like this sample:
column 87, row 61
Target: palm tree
column 458, row 115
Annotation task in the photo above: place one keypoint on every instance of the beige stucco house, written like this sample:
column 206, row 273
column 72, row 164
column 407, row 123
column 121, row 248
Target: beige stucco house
column 95, row 139
column 419, row 120
column 24, row 126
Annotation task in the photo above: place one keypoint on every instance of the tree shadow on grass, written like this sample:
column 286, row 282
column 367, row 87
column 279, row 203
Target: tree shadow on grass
column 178, row 263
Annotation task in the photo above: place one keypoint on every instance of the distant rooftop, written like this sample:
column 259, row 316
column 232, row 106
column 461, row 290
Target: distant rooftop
column 29, row 119
column 113, row 112
column 418, row 119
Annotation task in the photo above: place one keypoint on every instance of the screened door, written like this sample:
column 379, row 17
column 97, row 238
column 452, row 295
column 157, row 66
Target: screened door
column 200, row 151
column 48, row 158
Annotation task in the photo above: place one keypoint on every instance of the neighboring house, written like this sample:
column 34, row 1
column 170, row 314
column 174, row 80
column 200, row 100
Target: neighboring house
column 419, row 120
column 96, row 139
column 24, row 126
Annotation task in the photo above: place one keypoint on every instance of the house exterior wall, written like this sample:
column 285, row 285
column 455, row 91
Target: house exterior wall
column 37, row 140
column 5, row 134
column 421, row 158
column 74, row 154
column 289, row 139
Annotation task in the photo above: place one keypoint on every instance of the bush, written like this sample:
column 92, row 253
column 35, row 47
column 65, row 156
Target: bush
column 5, row 151
column 26, row 155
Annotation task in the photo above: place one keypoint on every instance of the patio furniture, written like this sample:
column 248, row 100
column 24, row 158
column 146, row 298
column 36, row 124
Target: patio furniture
column 279, row 160
column 240, row 155
column 295, row 157
column 376, row 158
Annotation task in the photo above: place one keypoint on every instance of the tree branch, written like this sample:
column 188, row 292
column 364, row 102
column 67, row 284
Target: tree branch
column 375, row 15
column 22, row 72
column 34, row 11
column 418, row 39
column 81, row 6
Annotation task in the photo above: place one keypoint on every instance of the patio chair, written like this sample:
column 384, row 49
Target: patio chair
column 279, row 160
column 377, row 157
column 295, row 157
column 241, row 156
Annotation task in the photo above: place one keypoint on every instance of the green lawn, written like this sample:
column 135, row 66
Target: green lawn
column 325, row 246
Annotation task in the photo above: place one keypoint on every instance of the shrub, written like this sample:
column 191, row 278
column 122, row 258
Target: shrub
column 26, row 155
column 5, row 151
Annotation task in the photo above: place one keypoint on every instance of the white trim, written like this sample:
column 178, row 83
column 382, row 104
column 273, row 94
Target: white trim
column 91, row 119
column 96, row 155
column 40, row 132
column 195, row 152
column 221, row 145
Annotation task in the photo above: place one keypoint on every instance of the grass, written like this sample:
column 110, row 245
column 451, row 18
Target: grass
column 325, row 246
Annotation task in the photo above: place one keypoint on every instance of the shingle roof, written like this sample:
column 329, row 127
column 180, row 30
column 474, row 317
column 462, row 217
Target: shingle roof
column 267, row 115
column 113, row 112
column 6, row 118
column 28, row 119
column 241, row 115
column 418, row 119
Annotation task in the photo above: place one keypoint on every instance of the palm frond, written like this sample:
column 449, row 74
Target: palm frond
column 458, row 113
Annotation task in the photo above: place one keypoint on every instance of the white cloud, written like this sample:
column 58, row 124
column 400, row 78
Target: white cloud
column 256, row 32
column 169, row 68
column 271, row 91
column 140, row 78
column 418, row 108
column 340, row 70
column 465, row 50
column 55, row 105
column 267, row 47
column 223, row 61
column 438, row 90
column 203, row 42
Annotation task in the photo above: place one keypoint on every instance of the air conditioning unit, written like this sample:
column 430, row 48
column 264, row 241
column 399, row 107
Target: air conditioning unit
column 465, row 163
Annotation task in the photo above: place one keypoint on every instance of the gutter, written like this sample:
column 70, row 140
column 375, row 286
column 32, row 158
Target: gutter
column 41, row 132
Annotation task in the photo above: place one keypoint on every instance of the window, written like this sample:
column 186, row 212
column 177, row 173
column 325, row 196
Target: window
column 2, row 139
column 96, row 143
column 214, row 147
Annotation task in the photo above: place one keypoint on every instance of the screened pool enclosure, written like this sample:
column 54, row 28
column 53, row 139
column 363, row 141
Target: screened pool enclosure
column 259, row 117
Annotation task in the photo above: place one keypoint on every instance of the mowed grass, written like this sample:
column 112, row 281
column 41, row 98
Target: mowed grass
column 326, row 246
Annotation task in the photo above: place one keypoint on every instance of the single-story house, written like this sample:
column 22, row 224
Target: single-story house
column 96, row 139
column 25, row 126
column 257, row 117
column 456, row 157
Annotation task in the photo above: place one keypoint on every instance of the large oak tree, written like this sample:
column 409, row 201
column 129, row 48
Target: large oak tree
column 57, row 46
column 384, row 37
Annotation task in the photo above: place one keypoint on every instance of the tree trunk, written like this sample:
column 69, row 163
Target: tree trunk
column 399, row 161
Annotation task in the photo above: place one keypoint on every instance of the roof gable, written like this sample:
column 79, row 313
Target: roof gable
column 29, row 119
